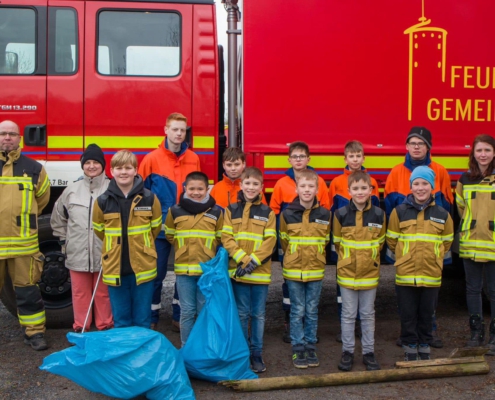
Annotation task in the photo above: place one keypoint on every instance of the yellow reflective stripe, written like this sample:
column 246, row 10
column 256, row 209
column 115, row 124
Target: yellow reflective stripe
column 44, row 187
column 99, row 227
column 318, row 273
column 306, row 241
column 203, row 142
column 110, row 279
column 34, row 319
column 108, row 243
column 13, row 180
column 19, row 251
column 169, row 231
column 392, row 234
column 292, row 273
column 136, row 230
column 337, row 239
column 248, row 236
column 419, row 279
column 227, row 229
column 300, row 274
column 239, row 255
column 474, row 254
column 254, row 277
column 353, row 244
column 218, row 234
column 270, row 233
column 424, row 237
column 256, row 259
column 478, row 188
column 284, row 235
column 17, row 240
column 145, row 275
column 478, row 243
column 459, row 200
column 146, row 237
column 113, row 231
column 194, row 234
column 357, row 282
column 156, row 222
column 185, row 268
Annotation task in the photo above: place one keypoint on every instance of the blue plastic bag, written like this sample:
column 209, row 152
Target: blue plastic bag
column 216, row 349
column 123, row 363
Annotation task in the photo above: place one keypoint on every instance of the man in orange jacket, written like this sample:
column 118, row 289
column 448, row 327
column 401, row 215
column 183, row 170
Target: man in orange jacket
column 164, row 172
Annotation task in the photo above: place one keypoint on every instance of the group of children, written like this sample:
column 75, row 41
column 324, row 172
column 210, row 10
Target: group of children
column 235, row 215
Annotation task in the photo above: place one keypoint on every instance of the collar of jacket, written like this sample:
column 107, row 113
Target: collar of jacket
column 95, row 182
column 408, row 163
column 296, row 205
column 291, row 174
column 242, row 199
column 12, row 156
column 409, row 200
column 193, row 207
column 231, row 182
column 170, row 153
column 366, row 207
column 347, row 171
column 138, row 187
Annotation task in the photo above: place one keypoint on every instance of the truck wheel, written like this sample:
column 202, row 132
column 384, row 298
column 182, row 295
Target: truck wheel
column 54, row 284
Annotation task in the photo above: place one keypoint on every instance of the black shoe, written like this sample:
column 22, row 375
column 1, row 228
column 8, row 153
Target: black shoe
column 312, row 358
column 338, row 338
column 346, row 361
column 37, row 341
column 370, row 361
column 257, row 364
column 357, row 329
column 299, row 358
column 424, row 352
column 491, row 340
column 410, row 353
column 436, row 342
column 477, row 326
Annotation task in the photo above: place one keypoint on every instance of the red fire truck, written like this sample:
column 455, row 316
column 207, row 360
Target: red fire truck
column 75, row 72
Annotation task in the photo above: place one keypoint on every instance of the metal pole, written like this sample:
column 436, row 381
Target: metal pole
column 232, row 19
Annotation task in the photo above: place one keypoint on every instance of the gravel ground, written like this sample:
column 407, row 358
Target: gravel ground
column 20, row 377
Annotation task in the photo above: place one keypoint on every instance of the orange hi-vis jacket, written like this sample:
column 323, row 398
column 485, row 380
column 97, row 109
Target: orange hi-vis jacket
column 284, row 192
column 225, row 192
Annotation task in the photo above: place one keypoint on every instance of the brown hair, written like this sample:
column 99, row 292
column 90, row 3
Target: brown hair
column 308, row 174
column 353, row 147
column 474, row 169
column 357, row 176
column 233, row 154
column 252, row 172
column 122, row 158
column 175, row 117
column 299, row 146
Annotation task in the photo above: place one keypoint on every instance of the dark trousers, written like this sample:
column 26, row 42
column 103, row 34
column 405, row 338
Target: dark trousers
column 416, row 305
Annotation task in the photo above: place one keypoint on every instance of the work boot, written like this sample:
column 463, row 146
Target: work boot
column 436, row 342
column 424, row 352
column 312, row 357
column 346, row 361
column 410, row 352
column 491, row 341
column 369, row 360
column 299, row 358
column 257, row 364
column 37, row 341
column 286, row 337
column 175, row 326
column 477, row 326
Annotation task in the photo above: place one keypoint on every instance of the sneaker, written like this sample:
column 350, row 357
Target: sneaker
column 424, row 352
column 175, row 326
column 338, row 338
column 436, row 342
column 257, row 364
column 370, row 361
column 312, row 358
column 299, row 359
column 346, row 361
column 410, row 353
column 37, row 341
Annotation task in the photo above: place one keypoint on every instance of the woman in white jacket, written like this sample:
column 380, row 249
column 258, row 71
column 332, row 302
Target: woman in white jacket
column 71, row 222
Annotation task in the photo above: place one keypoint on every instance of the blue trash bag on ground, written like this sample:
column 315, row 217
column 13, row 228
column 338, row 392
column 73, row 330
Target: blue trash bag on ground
column 216, row 349
column 123, row 363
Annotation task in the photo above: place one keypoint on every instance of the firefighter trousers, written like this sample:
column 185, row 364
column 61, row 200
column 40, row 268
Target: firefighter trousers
column 24, row 273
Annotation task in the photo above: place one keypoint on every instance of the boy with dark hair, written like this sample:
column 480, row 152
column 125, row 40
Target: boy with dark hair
column 128, row 218
column 304, row 233
column 249, row 236
column 419, row 232
column 359, row 234
column 194, row 227
column 284, row 194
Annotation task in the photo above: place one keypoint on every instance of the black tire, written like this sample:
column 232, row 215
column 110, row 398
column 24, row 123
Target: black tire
column 59, row 312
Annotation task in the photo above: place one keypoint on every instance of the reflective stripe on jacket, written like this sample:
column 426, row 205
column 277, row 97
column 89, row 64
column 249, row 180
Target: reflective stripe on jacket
column 475, row 201
column 358, row 237
column 249, row 234
column 304, row 234
column 24, row 192
column 195, row 237
column 419, row 240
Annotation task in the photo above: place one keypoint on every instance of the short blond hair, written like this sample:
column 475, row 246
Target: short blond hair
column 123, row 157
column 353, row 147
column 308, row 174
column 175, row 117
column 357, row 176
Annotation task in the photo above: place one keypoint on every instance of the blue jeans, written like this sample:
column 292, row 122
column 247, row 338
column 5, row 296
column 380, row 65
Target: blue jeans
column 131, row 303
column 251, row 303
column 304, row 300
column 163, row 251
column 191, row 302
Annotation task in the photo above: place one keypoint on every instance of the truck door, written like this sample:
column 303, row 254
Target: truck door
column 137, row 71
column 23, row 28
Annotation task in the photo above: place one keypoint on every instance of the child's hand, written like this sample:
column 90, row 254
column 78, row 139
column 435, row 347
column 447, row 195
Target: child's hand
column 250, row 267
column 240, row 272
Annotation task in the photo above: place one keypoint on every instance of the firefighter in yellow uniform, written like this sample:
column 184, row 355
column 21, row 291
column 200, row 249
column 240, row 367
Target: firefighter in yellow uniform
column 25, row 191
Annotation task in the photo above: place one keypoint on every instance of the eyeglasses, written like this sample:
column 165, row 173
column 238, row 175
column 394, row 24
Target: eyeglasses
column 11, row 134
column 299, row 157
column 417, row 144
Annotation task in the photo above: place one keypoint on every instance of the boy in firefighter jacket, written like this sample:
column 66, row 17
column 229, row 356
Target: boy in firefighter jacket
column 250, row 237
column 304, row 233
column 419, row 233
column 194, row 227
column 359, row 234
column 128, row 218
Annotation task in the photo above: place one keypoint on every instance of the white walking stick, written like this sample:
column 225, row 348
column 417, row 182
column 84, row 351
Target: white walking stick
column 92, row 300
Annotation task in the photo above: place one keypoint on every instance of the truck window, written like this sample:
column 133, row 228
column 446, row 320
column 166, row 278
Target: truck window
column 62, row 48
column 17, row 41
column 142, row 43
